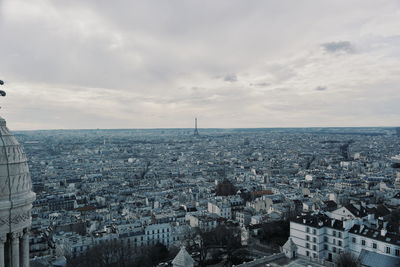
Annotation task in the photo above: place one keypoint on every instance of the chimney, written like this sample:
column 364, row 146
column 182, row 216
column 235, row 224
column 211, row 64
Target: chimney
column 383, row 232
column 332, row 222
column 348, row 224
column 320, row 223
column 304, row 220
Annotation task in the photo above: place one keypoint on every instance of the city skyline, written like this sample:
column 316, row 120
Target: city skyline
column 199, row 133
column 232, row 64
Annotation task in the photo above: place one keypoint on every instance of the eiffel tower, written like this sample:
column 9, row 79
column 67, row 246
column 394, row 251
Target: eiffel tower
column 196, row 132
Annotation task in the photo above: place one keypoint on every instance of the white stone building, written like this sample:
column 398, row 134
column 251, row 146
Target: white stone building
column 204, row 222
column 222, row 209
column 320, row 237
column 16, row 199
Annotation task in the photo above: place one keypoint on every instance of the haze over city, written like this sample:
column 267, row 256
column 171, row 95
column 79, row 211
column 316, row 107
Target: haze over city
column 233, row 64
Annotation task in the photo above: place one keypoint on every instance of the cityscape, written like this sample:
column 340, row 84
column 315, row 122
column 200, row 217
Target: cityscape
column 200, row 133
column 166, row 188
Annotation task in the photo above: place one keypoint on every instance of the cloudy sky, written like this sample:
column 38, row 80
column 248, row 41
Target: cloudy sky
column 155, row 64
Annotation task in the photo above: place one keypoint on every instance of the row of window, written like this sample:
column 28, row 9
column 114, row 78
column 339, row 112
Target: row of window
column 314, row 231
column 338, row 243
column 375, row 246
column 334, row 249
column 314, row 254
column 158, row 231
column 339, row 234
column 314, row 239
column 334, row 232
column 314, row 247
column 308, row 238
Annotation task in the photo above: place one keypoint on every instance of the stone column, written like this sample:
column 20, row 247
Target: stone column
column 24, row 252
column 3, row 239
column 15, row 249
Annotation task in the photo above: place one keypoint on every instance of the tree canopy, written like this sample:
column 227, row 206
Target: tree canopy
column 225, row 188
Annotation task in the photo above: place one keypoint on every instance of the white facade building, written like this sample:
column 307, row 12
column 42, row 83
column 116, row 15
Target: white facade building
column 320, row 237
column 222, row 209
column 16, row 199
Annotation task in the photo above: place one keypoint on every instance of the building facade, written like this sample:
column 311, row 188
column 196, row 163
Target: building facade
column 320, row 237
column 16, row 199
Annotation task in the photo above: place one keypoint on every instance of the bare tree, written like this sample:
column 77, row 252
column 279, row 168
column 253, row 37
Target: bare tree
column 115, row 254
column 222, row 237
column 347, row 259
column 225, row 188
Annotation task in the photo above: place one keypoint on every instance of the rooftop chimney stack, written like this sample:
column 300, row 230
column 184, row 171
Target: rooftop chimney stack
column 383, row 232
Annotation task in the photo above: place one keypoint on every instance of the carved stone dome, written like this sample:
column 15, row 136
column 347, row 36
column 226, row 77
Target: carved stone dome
column 16, row 194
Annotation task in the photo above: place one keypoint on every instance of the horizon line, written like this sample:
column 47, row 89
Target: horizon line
column 205, row 128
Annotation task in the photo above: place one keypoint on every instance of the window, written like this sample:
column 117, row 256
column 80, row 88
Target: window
column 334, row 233
column 325, row 238
column 314, row 232
column 307, row 245
column 307, row 237
column 387, row 250
column 315, row 255
column 363, row 242
column 314, row 247
column 397, row 252
column 354, row 240
column 314, row 239
column 308, row 229
column 334, row 249
column 326, row 247
column 339, row 243
column 374, row 245
column 308, row 253
column 340, row 234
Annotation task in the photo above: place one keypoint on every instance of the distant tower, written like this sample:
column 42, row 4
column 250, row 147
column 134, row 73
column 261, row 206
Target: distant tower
column 398, row 131
column 196, row 132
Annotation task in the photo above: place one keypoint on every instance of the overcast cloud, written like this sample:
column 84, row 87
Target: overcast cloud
column 150, row 64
